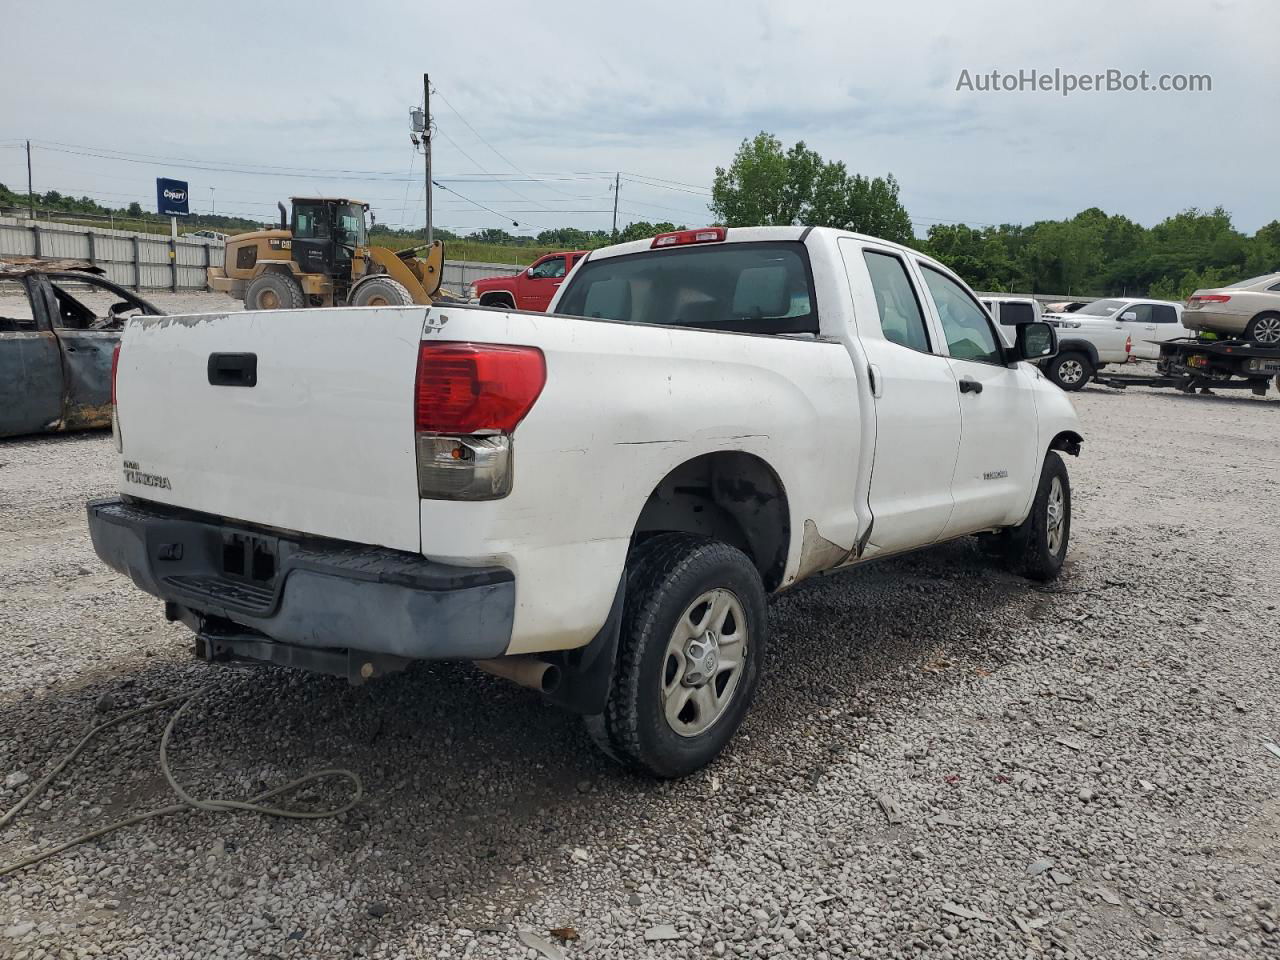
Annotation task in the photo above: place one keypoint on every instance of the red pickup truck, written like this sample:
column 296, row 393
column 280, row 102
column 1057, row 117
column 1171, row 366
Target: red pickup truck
column 530, row 289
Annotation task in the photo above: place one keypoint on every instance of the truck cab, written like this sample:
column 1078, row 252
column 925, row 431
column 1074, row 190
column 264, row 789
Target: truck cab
column 532, row 288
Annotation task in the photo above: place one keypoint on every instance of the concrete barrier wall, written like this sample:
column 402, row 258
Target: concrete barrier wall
column 151, row 261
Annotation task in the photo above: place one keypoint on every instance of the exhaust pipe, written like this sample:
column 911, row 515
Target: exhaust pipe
column 284, row 216
column 524, row 670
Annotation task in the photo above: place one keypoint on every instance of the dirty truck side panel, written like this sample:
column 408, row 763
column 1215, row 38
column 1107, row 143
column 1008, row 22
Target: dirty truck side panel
column 86, row 360
column 30, row 382
column 623, row 406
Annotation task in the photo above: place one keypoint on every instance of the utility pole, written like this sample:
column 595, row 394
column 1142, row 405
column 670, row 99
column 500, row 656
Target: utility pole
column 426, row 146
column 31, row 197
column 617, row 185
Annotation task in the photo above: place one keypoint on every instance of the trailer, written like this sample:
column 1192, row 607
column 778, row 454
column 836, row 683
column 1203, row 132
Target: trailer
column 1192, row 363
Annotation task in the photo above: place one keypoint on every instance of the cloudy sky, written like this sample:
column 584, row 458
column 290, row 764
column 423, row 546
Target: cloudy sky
column 537, row 105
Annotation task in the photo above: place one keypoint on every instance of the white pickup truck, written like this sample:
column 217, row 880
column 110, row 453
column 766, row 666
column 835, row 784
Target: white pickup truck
column 1110, row 331
column 594, row 502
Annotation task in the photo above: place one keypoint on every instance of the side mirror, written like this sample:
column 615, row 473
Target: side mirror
column 1128, row 315
column 1035, row 341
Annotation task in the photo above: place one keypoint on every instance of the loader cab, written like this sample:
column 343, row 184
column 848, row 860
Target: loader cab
column 327, row 232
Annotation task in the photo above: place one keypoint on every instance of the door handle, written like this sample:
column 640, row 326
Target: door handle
column 233, row 369
column 877, row 382
column 970, row 386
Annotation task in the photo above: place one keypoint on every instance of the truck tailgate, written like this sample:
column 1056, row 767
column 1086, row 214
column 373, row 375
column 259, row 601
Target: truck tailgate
column 322, row 440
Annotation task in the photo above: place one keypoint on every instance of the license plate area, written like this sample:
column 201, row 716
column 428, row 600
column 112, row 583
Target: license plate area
column 250, row 559
column 1264, row 366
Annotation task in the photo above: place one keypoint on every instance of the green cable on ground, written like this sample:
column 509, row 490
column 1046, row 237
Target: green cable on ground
column 252, row 805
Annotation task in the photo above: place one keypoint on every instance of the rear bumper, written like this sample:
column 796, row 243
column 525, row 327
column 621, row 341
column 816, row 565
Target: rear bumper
column 1214, row 320
column 310, row 593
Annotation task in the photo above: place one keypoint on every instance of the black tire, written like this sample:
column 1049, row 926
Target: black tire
column 274, row 291
column 1264, row 328
column 667, row 577
column 1029, row 548
column 1070, row 371
column 381, row 292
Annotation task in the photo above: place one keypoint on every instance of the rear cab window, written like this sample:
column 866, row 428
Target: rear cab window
column 1014, row 312
column 763, row 287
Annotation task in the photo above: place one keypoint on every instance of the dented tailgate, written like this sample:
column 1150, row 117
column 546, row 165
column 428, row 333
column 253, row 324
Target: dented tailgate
column 300, row 420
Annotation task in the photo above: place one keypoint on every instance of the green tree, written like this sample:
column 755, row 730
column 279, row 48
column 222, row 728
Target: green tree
column 644, row 229
column 980, row 256
column 766, row 185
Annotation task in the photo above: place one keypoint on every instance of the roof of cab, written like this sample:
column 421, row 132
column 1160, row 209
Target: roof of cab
column 751, row 235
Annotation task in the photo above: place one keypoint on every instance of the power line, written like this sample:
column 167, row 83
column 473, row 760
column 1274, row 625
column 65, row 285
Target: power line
column 475, row 203
column 509, row 188
column 503, row 157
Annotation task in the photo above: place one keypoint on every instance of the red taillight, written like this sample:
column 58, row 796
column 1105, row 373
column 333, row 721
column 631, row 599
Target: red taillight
column 469, row 388
column 1128, row 344
column 115, row 364
column 1212, row 298
column 681, row 237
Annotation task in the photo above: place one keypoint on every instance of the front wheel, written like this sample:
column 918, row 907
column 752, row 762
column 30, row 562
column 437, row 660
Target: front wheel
column 693, row 636
column 381, row 292
column 1037, row 547
column 1070, row 371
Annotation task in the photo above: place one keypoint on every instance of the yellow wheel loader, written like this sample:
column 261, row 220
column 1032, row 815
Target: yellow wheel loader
column 322, row 258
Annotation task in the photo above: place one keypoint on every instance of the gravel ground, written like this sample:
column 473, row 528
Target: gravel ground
column 1079, row 768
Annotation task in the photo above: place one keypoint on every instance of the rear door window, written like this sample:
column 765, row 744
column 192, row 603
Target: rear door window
column 901, row 319
column 738, row 287
column 1163, row 314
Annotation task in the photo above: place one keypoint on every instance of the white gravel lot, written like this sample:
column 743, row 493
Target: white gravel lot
column 1080, row 766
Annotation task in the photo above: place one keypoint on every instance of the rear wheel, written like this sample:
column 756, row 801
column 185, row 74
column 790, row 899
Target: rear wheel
column 381, row 292
column 693, row 634
column 1037, row 547
column 274, row 291
column 1264, row 328
column 1070, row 371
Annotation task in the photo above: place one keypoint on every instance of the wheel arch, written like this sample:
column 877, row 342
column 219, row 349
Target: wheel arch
column 492, row 296
column 1079, row 346
column 730, row 495
column 1068, row 441
column 286, row 267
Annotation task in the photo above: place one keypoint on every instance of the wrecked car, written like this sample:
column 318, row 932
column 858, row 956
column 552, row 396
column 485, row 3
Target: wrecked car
column 60, row 322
